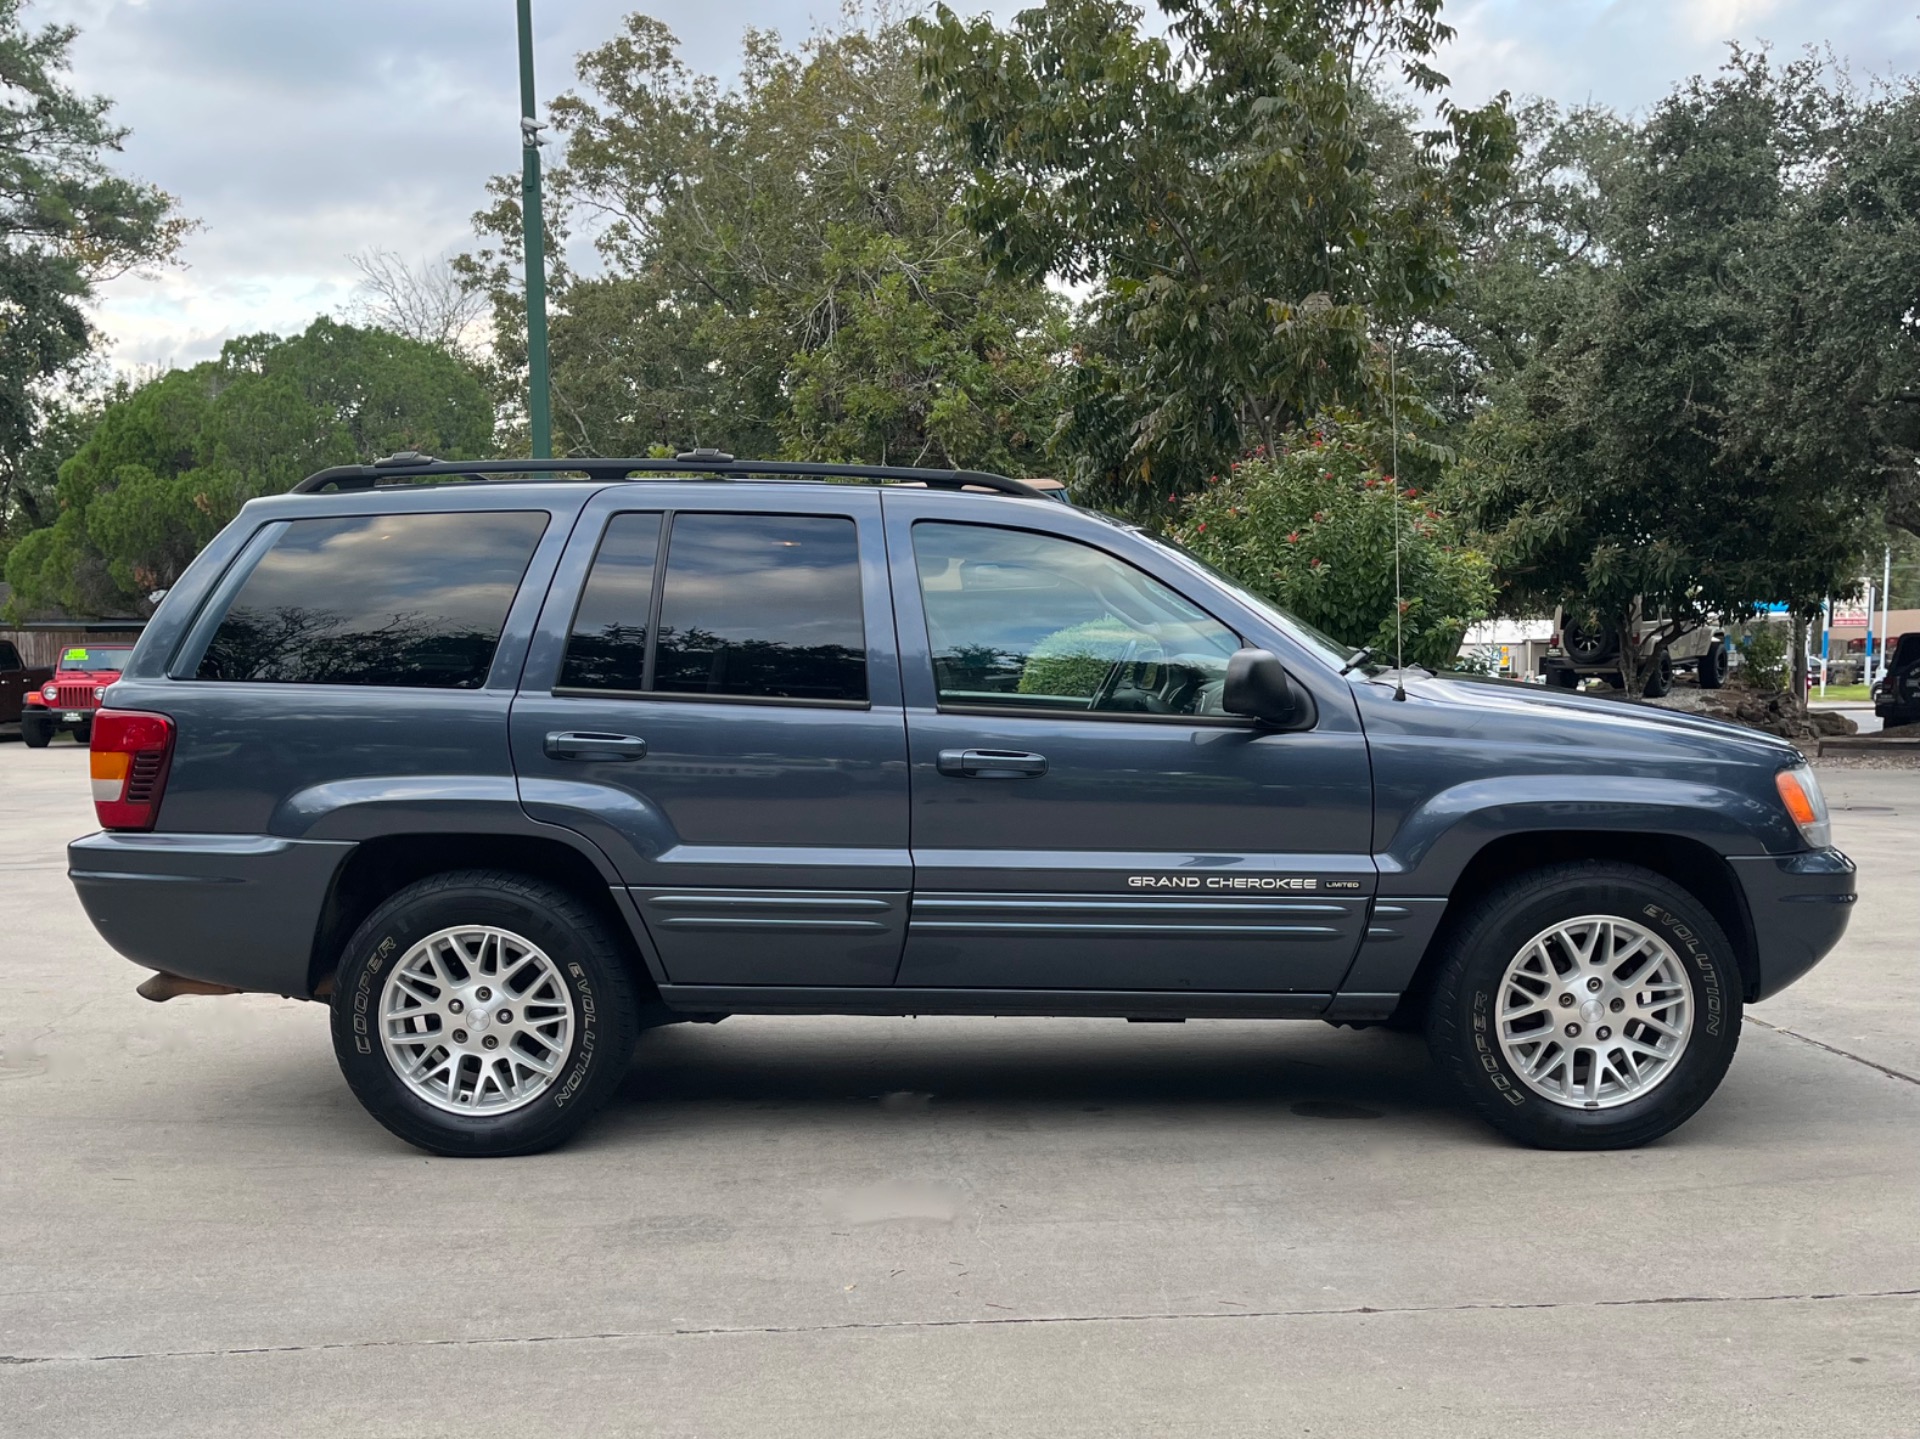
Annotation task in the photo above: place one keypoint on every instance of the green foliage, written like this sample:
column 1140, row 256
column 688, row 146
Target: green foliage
column 783, row 272
column 170, row 463
column 1312, row 529
column 1695, row 332
column 67, row 222
column 1764, row 657
column 1247, row 212
column 1077, row 660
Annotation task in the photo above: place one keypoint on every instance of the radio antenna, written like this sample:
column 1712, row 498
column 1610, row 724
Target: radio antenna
column 1399, row 604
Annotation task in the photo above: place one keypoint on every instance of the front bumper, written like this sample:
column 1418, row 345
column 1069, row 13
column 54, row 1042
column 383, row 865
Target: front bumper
column 1800, row 905
column 233, row 909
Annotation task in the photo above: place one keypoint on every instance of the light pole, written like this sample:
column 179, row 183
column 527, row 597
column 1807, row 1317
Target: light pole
column 534, row 238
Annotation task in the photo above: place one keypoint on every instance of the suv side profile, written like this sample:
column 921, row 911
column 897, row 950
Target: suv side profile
column 505, row 772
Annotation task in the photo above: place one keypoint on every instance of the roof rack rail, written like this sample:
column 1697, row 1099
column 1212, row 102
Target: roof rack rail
column 410, row 465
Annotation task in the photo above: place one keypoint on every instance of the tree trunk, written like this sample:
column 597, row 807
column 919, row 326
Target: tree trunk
column 1632, row 673
column 1800, row 661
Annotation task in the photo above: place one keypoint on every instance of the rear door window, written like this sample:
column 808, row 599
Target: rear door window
column 413, row 601
column 749, row 606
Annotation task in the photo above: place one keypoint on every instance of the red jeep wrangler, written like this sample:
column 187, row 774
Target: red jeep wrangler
column 68, row 700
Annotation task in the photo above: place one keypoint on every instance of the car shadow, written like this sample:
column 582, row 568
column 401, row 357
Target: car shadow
column 1033, row 1067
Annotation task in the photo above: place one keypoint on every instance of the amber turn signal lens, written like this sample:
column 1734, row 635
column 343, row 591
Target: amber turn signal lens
column 1806, row 806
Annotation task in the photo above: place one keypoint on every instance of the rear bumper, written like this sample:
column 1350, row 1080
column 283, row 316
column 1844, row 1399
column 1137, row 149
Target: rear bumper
column 233, row 909
column 1800, row 904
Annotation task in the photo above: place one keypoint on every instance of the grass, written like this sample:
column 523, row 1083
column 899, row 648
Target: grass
column 1840, row 692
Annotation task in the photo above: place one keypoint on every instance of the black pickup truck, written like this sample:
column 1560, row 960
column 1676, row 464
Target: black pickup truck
column 17, row 681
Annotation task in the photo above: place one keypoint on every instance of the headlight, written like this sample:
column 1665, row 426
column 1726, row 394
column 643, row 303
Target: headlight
column 99, row 693
column 1800, row 792
column 49, row 694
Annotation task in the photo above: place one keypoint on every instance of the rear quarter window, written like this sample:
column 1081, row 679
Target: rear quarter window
column 413, row 601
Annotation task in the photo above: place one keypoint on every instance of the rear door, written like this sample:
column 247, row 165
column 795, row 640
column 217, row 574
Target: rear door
column 712, row 696
column 1085, row 816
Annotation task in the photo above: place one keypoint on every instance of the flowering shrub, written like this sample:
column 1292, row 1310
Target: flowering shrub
column 1311, row 529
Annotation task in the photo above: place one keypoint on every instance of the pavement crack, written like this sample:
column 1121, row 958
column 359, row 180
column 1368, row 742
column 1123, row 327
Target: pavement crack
column 990, row 1322
column 1890, row 1072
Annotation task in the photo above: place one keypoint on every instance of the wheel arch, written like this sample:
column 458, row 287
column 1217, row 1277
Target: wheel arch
column 381, row 866
column 1694, row 866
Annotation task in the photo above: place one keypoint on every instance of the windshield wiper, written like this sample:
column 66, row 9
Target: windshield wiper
column 1357, row 658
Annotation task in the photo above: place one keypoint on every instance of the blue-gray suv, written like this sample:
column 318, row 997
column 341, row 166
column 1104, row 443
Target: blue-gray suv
column 508, row 761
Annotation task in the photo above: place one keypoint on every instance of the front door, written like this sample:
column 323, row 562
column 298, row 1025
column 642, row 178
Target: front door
column 721, row 714
column 1085, row 815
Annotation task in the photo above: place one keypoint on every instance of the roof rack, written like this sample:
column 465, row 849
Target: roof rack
column 410, row 465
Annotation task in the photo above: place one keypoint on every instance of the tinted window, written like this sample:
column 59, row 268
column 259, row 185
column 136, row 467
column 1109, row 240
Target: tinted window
column 608, row 647
column 413, row 600
column 9, row 656
column 1027, row 621
column 762, row 605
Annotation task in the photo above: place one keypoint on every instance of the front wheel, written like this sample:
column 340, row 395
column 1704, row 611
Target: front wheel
column 36, row 731
column 1586, row 1006
column 1713, row 666
column 483, row 1013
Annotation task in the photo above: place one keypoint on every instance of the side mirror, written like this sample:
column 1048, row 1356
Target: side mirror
column 1258, row 687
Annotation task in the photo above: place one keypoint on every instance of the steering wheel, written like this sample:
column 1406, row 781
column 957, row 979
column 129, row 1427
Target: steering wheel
column 1112, row 681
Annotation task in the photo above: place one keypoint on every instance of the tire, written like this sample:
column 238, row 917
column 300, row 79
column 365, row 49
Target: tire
column 1589, row 644
column 1659, row 682
column 1713, row 666
column 35, row 733
column 438, row 930
column 1563, row 679
column 1464, row 1020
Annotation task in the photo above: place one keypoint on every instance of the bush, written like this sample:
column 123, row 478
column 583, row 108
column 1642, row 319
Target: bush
column 1764, row 659
column 1311, row 529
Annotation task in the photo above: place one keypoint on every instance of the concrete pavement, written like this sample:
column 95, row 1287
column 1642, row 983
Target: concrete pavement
column 934, row 1227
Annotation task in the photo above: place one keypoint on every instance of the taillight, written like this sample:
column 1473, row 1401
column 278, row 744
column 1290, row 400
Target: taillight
column 128, row 759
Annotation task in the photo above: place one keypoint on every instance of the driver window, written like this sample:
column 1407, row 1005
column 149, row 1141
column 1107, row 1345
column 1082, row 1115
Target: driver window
column 1026, row 621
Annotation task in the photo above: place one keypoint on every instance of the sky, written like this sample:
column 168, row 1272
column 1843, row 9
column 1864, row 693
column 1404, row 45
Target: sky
column 300, row 132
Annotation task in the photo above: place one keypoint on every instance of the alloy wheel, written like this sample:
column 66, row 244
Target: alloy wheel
column 477, row 1020
column 1594, row 1012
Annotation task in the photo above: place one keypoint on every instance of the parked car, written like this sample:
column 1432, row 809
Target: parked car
column 68, row 697
column 506, row 772
column 1583, row 647
column 17, row 681
column 1896, row 698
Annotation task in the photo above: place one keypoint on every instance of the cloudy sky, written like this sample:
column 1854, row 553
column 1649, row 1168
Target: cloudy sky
column 301, row 131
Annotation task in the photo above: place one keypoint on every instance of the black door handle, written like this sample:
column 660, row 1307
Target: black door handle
column 992, row 763
column 578, row 745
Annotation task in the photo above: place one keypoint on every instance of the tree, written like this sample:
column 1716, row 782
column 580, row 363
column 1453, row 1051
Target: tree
column 67, row 223
column 427, row 302
column 1313, row 528
column 170, row 463
column 1248, row 213
column 1692, row 406
column 781, row 268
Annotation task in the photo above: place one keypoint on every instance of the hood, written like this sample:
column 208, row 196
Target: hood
column 1535, row 715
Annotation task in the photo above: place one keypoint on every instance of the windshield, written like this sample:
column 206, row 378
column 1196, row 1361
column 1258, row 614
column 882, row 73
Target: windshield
column 96, row 657
column 1291, row 625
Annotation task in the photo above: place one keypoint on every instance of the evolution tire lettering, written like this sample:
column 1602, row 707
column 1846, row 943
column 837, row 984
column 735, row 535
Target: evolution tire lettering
column 1712, row 1002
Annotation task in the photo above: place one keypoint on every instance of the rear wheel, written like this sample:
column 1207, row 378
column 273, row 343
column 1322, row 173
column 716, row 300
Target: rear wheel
column 483, row 1013
column 1659, row 681
column 1586, row 1006
column 36, row 731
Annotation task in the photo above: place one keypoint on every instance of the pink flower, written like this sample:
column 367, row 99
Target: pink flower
column 1203, row 526
column 1294, row 538
column 1314, row 563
